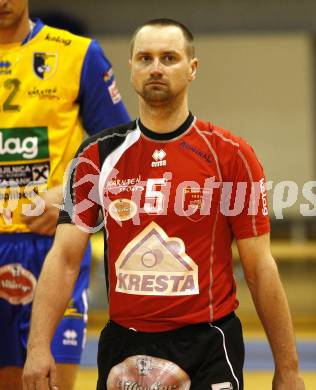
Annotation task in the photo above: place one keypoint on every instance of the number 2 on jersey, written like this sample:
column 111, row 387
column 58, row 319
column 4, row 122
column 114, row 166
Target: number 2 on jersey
column 13, row 85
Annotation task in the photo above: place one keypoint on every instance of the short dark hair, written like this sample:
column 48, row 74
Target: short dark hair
column 164, row 22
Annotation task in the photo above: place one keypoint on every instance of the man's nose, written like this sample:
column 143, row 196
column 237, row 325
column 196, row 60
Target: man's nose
column 156, row 67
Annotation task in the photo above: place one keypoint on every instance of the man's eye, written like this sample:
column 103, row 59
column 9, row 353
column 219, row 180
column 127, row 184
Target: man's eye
column 168, row 58
column 145, row 58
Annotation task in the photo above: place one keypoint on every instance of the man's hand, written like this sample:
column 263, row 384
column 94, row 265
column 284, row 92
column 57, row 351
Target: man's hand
column 40, row 371
column 288, row 381
column 46, row 222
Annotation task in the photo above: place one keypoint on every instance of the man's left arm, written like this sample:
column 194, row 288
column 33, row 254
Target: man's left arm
column 268, row 295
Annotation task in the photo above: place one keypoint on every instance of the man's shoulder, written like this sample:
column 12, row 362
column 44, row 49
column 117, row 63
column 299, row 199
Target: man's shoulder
column 110, row 135
column 221, row 137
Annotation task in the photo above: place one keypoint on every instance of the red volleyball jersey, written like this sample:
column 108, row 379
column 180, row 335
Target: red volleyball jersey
column 172, row 204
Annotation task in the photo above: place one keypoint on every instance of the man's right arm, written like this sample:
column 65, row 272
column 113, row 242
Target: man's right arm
column 53, row 292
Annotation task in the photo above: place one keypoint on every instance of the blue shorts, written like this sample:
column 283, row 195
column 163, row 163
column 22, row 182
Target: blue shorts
column 21, row 259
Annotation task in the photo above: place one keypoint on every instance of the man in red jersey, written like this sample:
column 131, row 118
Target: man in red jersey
column 174, row 192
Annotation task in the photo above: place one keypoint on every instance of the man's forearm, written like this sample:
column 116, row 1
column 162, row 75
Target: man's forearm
column 272, row 307
column 52, row 295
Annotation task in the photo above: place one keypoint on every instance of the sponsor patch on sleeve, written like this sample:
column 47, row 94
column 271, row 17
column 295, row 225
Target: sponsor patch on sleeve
column 114, row 93
column 108, row 75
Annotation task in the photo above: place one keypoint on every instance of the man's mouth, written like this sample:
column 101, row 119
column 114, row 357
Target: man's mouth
column 156, row 82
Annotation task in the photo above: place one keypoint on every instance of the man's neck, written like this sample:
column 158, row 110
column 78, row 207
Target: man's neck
column 16, row 33
column 162, row 119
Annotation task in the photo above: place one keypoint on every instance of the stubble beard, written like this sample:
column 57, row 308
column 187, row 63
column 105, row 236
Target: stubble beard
column 156, row 95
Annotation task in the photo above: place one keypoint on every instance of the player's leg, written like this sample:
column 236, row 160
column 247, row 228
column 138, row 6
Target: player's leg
column 69, row 339
column 21, row 259
column 67, row 374
column 12, row 352
column 11, row 378
column 17, row 284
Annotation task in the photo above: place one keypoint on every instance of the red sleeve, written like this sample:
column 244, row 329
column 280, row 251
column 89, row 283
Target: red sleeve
column 81, row 196
column 248, row 194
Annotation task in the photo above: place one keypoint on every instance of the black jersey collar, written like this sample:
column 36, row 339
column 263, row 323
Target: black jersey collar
column 167, row 136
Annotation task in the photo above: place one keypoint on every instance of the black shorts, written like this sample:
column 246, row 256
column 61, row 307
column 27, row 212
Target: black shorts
column 197, row 357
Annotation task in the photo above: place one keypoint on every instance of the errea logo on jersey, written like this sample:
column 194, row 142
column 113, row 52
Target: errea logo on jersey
column 155, row 264
column 5, row 67
column 159, row 156
column 70, row 337
column 23, row 143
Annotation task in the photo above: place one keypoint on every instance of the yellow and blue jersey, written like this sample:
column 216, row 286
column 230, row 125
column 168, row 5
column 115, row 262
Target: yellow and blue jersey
column 52, row 87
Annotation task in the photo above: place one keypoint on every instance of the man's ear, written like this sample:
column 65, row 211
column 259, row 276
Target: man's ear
column 130, row 68
column 193, row 68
